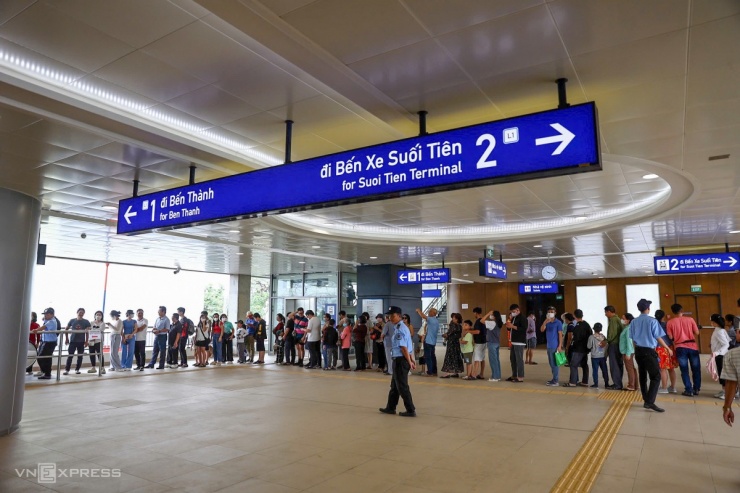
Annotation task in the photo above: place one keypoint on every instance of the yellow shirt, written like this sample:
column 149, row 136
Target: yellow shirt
column 466, row 343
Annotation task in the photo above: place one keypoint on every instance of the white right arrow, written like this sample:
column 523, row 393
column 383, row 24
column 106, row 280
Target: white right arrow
column 732, row 261
column 128, row 214
column 565, row 138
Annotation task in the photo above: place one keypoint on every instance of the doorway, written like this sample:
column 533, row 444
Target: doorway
column 700, row 307
column 306, row 303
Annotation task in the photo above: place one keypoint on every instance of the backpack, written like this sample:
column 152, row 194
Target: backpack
column 190, row 326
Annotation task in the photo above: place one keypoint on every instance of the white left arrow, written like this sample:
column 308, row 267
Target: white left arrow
column 565, row 138
column 402, row 277
column 732, row 261
column 128, row 214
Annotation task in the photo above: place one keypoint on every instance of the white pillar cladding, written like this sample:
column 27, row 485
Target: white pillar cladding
column 19, row 223
column 240, row 296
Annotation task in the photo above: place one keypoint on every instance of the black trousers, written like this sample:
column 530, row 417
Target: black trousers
column 290, row 349
column 345, row 358
column 314, row 353
column 46, row 349
column 616, row 364
column 139, row 353
column 95, row 348
column 73, row 347
column 400, row 386
column 360, row 361
column 227, row 350
column 173, row 353
column 576, row 361
column 183, row 351
column 647, row 364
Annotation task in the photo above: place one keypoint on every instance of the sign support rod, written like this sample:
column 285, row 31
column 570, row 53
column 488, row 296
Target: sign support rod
column 562, row 96
column 727, row 248
column 192, row 175
column 422, row 123
column 136, row 188
column 288, row 140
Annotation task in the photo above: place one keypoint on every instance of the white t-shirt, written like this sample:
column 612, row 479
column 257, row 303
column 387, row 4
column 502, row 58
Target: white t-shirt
column 116, row 326
column 141, row 336
column 314, row 325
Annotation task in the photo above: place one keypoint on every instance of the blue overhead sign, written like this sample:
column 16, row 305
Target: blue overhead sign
column 431, row 293
column 550, row 143
column 697, row 263
column 423, row 276
column 539, row 288
column 491, row 268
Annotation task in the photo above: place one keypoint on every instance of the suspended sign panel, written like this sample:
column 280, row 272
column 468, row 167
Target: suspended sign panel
column 424, row 276
column 697, row 263
column 543, row 144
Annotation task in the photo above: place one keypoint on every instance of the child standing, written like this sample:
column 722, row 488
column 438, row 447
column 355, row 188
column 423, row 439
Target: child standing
column 466, row 345
column 597, row 344
column 241, row 345
column 331, row 336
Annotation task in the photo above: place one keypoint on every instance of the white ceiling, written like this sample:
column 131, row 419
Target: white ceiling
column 97, row 94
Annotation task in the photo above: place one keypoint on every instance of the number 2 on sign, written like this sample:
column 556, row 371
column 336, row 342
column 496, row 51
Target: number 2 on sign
column 483, row 162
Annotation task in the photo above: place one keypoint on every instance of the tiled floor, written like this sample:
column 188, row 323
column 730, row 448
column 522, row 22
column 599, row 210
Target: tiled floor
column 276, row 429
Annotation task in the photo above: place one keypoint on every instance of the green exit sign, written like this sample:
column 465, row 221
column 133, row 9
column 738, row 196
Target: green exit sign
column 696, row 288
column 558, row 296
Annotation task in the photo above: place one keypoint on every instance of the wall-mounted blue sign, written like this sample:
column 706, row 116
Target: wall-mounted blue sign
column 491, row 268
column 423, row 276
column 550, row 143
column 697, row 263
column 431, row 293
column 539, row 288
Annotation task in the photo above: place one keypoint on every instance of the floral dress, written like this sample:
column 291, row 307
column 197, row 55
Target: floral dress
column 453, row 356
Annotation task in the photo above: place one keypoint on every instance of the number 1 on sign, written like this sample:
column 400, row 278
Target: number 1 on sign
column 154, row 206
column 483, row 162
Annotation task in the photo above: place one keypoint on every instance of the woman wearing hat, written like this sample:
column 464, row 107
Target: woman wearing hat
column 129, row 341
column 116, row 327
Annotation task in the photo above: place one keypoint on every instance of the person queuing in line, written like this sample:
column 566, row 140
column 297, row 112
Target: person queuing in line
column 94, row 346
column 376, row 334
column 597, row 344
column 358, row 337
column 647, row 334
column 453, row 363
column 479, row 339
column 730, row 374
column 313, row 340
column 34, row 338
column 173, row 341
column 403, row 363
column 553, row 329
column 330, row 339
column 142, row 326
column 720, row 345
column 666, row 361
column 128, row 341
column 430, row 341
column 467, row 347
column 517, row 327
column 730, row 322
column 322, row 346
column 301, row 322
column 531, row 340
column 289, row 335
column 627, row 349
column 187, row 330
column 227, row 349
column 613, row 331
column 78, row 341
column 579, row 351
column 116, row 326
column 260, row 334
column 49, row 339
column 217, row 341
column 683, row 331
column 569, row 323
column 279, row 332
column 493, row 343
column 161, row 331
column 372, row 334
column 346, row 337
column 202, row 339
column 386, row 338
column 241, row 342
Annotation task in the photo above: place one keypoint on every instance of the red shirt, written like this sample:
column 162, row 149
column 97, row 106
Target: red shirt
column 217, row 328
column 34, row 338
column 681, row 332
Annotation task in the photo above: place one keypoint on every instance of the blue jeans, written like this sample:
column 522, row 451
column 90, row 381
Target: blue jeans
column 430, row 357
column 554, row 368
column 217, row 347
column 160, row 349
column 325, row 355
column 597, row 363
column 494, row 361
column 686, row 356
column 127, row 353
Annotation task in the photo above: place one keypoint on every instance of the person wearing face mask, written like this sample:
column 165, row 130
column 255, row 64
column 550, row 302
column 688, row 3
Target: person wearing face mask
column 720, row 344
column 627, row 348
column 579, row 351
column 218, row 339
column 517, row 327
column 553, row 329
column 613, row 331
column 94, row 338
column 116, row 326
column 202, row 334
column 227, row 351
column 142, row 325
column 129, row 339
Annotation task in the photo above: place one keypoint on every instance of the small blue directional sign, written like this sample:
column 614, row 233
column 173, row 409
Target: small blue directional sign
column 431, row 293
column 539, row 288
column 423, row 276
column 556, row 142
column 491, row 268
column 697, row 263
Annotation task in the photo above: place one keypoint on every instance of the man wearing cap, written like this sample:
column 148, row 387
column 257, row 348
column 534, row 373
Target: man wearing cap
column 647, row 333
column 402, row 352
column 48, row 342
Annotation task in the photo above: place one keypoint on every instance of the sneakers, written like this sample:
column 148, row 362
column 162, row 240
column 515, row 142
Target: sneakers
column 66, row 372
column 38, row 374
column 672, row 390
column 77, row 372
column 494, row 379
column 173, row 367
column 720, row 395
column 102, row 372
column 551, row 383
column 662, row 391
column 93, row 370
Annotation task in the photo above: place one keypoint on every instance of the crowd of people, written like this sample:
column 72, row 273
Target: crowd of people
column 635, row 347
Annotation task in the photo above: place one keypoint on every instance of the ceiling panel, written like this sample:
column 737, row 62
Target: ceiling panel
column 213, row 105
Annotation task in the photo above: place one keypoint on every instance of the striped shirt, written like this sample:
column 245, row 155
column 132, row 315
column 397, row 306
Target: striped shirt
column 731, row 365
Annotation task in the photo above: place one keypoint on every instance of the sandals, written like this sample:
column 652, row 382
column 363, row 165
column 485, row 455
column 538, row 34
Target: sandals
column 511, row 379
column 568, row 385
column 446, row 376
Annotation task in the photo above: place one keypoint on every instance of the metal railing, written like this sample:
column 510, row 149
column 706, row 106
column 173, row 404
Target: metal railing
column 59, row 349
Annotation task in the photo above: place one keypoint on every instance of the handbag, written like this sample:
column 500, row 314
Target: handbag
column 560, row 358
